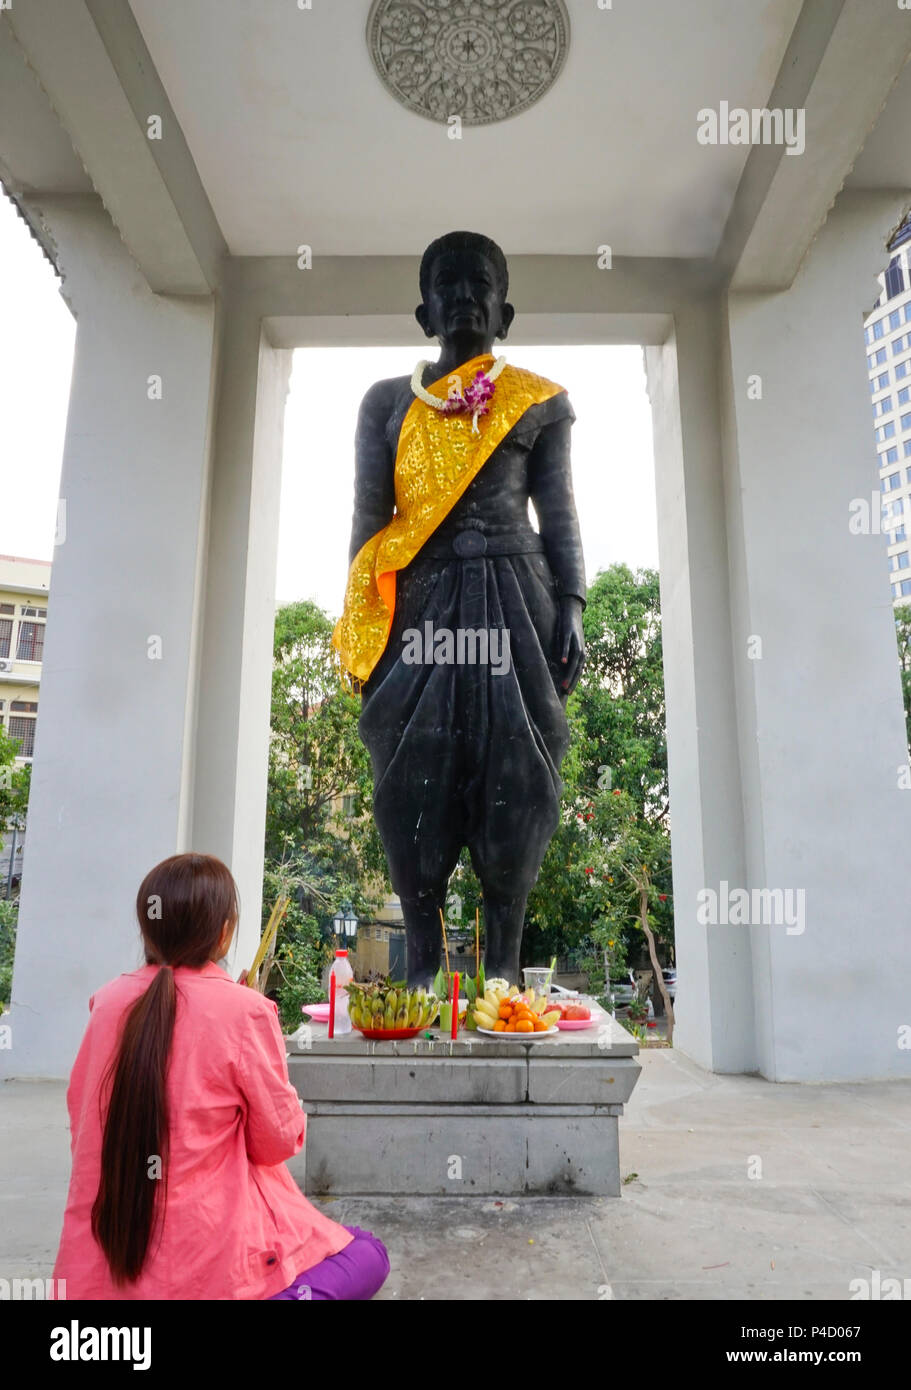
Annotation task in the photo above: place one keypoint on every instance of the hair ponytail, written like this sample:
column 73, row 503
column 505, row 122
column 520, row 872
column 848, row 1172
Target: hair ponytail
column 182, row 906
column 136, row 1131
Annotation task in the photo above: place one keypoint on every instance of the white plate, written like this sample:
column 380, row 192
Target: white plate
column 519, row 1037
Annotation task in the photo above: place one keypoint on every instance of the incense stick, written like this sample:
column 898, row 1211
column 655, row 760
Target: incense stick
column 477, row 943
column 445, row 943
column 275, row 916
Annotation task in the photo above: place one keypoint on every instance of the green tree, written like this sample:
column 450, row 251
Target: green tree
column 14, row 790
column 321, row 844
column 614, row 820
column 9, row 914
column 14, row 781
column 621, row 693
column 315, row 753
column 316, row 880
column 629, row 890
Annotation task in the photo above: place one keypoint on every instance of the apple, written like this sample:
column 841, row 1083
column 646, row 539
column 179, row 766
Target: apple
column 572, row 1012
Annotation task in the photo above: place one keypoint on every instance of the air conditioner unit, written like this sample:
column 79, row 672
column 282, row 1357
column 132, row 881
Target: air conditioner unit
column 6, row 663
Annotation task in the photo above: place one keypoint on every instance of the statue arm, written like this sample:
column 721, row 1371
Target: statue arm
column 374, row 468
column 551, row 491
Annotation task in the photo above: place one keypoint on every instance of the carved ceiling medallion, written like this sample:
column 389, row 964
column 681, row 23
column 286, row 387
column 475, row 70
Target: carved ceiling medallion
column 481, row 60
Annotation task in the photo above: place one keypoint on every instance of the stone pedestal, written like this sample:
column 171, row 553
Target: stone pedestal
column 479, row 1116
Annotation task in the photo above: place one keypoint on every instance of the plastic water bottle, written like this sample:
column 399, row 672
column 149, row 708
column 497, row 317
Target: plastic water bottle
column 342, row 972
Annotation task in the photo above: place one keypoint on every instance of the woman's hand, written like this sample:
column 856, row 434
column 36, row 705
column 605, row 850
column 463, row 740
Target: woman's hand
column 572, row 641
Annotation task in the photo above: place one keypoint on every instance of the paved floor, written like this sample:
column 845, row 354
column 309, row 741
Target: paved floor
column 830, row 1200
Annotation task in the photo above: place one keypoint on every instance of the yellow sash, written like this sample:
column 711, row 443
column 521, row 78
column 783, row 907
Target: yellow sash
column 436, row 459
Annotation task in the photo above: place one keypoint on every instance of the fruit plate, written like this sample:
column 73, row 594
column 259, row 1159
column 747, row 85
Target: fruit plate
column 571, row 1024
column 517, row 1037
column 390, row 1034
column 318, row 1012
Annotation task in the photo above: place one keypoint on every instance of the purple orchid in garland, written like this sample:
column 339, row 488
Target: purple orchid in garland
column 479, row 393
column 475, row 400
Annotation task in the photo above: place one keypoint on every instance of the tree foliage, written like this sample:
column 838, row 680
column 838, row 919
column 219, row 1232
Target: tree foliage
column 615, row 810
column 315, row 753
column 14, row 783
column 14, row 790
column 319, row 853
column 621, row 693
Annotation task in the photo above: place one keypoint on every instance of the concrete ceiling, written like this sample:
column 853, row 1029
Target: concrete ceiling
column 296, row 140
column 885, row 160
column 276, row 131
column 36, row 153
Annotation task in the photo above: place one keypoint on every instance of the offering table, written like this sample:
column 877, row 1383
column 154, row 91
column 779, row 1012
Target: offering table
column 481, row 1115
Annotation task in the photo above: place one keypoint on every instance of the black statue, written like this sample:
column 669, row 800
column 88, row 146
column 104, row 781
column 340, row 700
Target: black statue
column 466, row 751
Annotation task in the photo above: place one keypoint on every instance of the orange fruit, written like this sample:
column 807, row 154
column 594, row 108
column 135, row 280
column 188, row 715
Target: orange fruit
column 540, row 1027
column 510, row 1027
column 500, row 1026
column 525, row 1026
column 505, row 1011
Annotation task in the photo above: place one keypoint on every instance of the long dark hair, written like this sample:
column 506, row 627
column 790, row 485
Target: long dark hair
column 182, row 906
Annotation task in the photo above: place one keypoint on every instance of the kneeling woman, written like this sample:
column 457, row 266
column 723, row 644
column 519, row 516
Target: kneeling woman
column 182, row 1117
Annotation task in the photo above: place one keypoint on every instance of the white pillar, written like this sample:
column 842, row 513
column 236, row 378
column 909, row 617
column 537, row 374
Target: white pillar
column 822, row 735
column 109, row 788
column 714, row 1011
column 154, row 706
column 236, row 669
column 786, row 735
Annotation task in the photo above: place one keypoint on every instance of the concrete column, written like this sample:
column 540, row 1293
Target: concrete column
column 236, row 670
column 787, row 748
column 714, row 1011
column 109, row 794
column 826, row 808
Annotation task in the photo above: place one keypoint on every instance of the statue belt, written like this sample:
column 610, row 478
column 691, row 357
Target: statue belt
column 470, row 544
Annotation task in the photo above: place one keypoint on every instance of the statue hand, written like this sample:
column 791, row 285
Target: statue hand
column 572, row 641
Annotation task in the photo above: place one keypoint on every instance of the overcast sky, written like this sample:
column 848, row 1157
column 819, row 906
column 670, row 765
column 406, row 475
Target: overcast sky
column 613, row 466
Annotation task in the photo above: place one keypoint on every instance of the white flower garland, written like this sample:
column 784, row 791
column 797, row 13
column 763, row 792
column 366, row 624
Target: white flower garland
column 455, row 392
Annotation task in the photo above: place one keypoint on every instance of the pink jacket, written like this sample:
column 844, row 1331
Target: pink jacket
column 236, row 1224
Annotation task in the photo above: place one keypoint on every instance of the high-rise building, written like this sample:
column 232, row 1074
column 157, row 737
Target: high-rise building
column 888, row 338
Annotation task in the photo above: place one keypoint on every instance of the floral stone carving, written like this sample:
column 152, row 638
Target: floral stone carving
column 480, row 60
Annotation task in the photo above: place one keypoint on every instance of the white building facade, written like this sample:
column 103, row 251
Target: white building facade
column 887, row 335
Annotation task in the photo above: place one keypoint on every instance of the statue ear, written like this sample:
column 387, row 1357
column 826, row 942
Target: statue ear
column 507, row 314
column 423, row 319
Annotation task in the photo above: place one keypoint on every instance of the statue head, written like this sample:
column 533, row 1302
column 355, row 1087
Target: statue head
column 464, row 282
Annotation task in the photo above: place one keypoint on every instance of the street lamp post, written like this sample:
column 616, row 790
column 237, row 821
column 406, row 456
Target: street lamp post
column 345, row 922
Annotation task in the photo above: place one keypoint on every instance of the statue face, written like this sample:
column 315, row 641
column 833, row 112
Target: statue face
column 464, row 304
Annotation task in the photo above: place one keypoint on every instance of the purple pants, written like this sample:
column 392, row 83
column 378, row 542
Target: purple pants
column 354, row 1274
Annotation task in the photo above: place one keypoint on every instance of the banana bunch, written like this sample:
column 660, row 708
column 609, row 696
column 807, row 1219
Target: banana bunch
column 489, row 1012
column 390, row 1006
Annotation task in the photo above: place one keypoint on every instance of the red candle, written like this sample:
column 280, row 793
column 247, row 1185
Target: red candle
column 332, row 1006
column 455, row 1005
